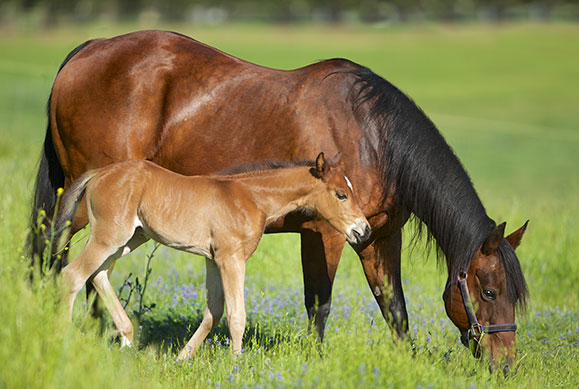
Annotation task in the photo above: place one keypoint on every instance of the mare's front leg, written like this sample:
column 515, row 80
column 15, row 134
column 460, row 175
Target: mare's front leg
column 381, row 260
column 321, row 248
column 213, row 310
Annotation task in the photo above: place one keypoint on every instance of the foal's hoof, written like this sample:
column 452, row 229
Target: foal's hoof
column 185, row 354
column 122, row 339
column 126, row 342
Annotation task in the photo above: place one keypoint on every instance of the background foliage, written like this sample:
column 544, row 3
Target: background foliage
column 52, row 12
column 505, row 97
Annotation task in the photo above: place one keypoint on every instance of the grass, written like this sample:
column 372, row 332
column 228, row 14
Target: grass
column 504, row 97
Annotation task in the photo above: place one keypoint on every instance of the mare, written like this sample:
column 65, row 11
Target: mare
column 193, row 109
column 219, row 217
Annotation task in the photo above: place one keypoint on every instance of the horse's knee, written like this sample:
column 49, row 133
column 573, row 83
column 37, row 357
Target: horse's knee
column 236, row 322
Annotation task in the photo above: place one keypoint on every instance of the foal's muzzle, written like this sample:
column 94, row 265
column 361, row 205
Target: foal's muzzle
column 359, row 232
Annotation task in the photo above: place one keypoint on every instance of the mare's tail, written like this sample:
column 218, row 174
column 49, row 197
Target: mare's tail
column 49, row 179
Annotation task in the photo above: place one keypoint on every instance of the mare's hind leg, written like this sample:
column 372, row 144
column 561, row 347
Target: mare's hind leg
column 109, row 297
column 381, row 260
column 213, row 310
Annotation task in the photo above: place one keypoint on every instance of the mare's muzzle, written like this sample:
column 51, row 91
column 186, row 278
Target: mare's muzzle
column 471, row 337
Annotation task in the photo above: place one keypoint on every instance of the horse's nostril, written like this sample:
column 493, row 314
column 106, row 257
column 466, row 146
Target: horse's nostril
column 367, row 230
column 357, row 236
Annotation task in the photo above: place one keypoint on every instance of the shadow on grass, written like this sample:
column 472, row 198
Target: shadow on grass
column 172, row 330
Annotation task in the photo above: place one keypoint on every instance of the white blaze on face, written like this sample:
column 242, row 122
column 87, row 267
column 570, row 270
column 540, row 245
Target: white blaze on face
column 349, row 184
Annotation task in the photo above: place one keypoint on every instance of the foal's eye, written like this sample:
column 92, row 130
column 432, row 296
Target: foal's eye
column 341, row 196
column 489, row 294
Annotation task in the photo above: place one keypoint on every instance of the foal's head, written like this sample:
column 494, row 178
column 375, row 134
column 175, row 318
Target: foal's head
column 335, row 201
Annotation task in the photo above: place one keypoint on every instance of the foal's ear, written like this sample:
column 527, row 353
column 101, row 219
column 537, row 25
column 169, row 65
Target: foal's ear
column 492, row 243
column 321, row 166
column 515, row 237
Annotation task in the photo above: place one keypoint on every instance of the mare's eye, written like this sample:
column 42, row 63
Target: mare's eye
column 341, row 196
column 489, row 294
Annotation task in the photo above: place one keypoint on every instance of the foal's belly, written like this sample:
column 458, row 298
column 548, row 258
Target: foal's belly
column 192, row 240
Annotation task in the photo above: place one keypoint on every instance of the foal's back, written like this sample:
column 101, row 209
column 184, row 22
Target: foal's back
column 187, row 213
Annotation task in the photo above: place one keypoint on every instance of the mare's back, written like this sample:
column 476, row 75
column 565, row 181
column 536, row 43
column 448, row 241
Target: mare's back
column 191, row 108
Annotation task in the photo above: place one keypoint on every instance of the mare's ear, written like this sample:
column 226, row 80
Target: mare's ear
column 492, row 243
column 322, row 166
column 515, row 237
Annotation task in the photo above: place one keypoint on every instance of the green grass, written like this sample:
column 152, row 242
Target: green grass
column 506, row 100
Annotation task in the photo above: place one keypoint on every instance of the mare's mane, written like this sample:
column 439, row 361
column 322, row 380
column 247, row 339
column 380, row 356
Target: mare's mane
column 424, row 176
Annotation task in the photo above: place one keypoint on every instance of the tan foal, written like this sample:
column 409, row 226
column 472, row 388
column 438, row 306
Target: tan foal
column 219, row 217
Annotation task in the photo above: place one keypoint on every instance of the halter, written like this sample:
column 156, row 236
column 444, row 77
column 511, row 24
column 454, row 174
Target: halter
column 476, row 330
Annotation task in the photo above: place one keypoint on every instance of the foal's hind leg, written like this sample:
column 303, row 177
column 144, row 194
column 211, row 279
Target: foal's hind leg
column 213, row 310
column 109, row 297
column 93, row 257
column 98, row 254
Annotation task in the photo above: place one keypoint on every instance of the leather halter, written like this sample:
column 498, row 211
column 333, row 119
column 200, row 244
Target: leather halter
column 476, row 329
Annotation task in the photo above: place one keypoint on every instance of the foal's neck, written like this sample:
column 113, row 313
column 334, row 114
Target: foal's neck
column 281, row 191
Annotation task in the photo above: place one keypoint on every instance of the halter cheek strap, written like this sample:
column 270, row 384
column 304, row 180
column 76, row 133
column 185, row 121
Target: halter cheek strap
column 476, row 329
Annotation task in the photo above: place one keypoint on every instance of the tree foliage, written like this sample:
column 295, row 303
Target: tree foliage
column 288, row 11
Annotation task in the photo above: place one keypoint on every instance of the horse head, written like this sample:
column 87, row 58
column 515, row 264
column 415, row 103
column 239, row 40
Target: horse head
column 481, row 301
column 336, row 203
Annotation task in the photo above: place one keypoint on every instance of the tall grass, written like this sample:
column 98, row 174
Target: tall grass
column 505, row 98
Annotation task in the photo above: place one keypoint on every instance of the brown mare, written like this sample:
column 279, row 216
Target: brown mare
column 219, row 217
column 192, row 109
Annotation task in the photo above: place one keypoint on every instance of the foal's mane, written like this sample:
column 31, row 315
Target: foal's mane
column 426, row 178
column 258, row 167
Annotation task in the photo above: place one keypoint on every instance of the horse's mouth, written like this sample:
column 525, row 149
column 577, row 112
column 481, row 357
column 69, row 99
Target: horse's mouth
column 360, row 233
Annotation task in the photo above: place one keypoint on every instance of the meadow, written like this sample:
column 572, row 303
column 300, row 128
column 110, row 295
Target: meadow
column 505, row 97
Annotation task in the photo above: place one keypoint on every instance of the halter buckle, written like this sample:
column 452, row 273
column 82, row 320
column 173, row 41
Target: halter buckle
column 476, row 330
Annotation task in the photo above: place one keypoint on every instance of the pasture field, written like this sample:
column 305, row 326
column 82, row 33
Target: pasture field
column 505, row 97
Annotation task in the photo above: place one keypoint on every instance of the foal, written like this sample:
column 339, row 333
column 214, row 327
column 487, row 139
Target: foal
column 219, row 217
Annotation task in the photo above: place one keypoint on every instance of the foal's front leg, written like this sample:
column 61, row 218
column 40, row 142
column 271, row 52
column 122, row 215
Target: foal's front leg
column 213, row 310
column 233, row 278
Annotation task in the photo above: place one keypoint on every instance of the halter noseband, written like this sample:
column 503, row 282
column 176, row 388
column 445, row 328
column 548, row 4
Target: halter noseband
column 476, row 330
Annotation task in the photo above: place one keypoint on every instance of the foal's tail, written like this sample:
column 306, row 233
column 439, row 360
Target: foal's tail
column 70, row 200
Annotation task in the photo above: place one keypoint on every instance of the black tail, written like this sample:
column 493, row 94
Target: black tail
column 50, row 177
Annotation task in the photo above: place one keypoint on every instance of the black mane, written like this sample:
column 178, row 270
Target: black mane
column 425, row 177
